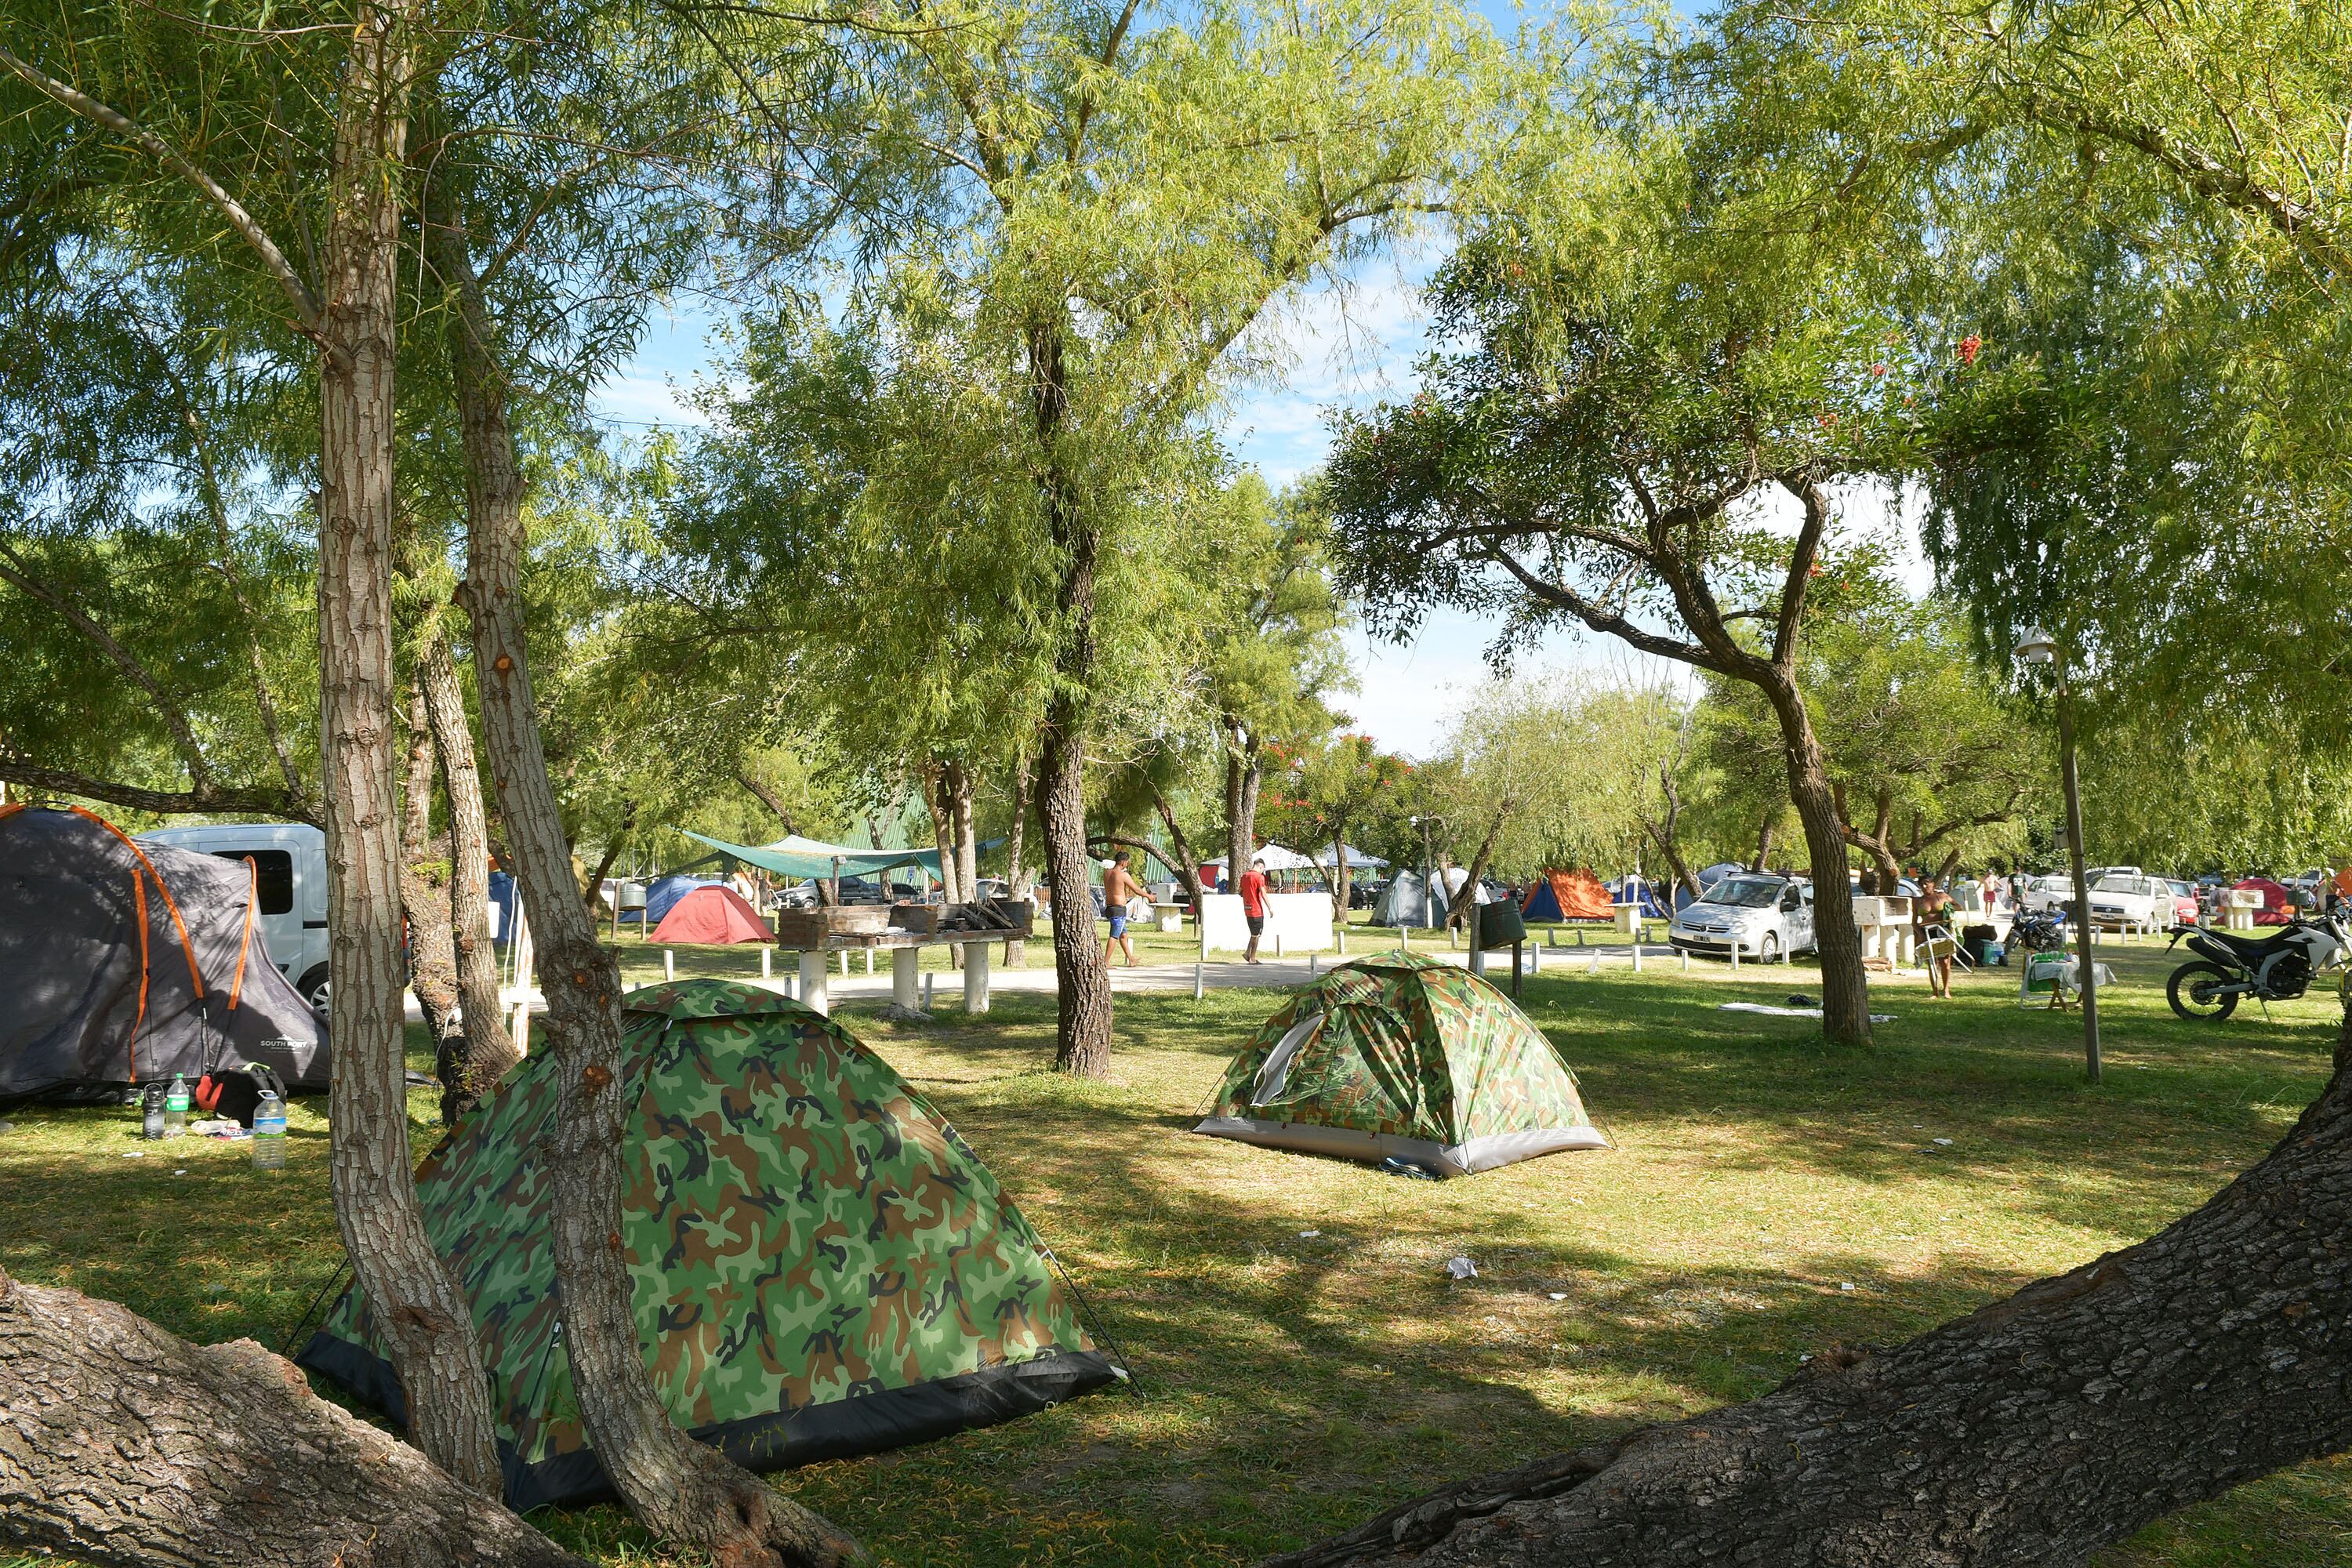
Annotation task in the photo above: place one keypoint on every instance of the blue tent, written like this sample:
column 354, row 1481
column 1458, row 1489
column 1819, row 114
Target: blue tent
column 502, row 907
column 663, row 896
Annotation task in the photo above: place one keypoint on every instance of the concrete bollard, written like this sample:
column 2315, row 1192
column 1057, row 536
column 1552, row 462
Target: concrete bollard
column 928, row 978
column 669, row 964
column 1198, row 977
column 765, row 954
column 1735, row 955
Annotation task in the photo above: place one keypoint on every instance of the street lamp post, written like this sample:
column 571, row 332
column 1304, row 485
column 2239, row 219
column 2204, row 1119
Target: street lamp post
column 2038, row 646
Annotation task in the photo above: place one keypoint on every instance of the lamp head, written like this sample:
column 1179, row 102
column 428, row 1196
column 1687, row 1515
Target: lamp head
column 2035, row 646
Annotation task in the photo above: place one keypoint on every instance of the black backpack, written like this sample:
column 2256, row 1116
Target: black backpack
column 236, row 1093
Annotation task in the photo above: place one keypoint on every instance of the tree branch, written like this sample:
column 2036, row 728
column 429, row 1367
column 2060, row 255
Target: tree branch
column 298, row 291
column 13, row 571
column 210, row 798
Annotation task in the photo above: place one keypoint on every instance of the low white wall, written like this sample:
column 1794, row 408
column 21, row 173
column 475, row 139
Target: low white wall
column 1295, row 923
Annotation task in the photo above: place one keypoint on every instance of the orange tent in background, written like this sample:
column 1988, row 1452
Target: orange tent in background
column 1577, row 895
column 710, row 916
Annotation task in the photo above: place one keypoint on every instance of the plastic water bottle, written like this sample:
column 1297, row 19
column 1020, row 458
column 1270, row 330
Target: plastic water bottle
column 151, row 1111
column 175, row 1108
column 269, row 1133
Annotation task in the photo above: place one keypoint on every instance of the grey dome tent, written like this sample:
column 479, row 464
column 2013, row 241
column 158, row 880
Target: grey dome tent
column 121, row 963
column 1400, row 903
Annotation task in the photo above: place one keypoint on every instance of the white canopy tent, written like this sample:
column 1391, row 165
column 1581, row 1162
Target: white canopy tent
column 1277, row 858
column 1357, row 860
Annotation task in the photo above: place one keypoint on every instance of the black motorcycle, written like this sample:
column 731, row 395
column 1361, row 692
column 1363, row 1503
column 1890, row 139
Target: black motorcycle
column 2275, row 967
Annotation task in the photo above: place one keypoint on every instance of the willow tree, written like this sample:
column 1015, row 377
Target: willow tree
column 1115, row 199
column 1648, row 435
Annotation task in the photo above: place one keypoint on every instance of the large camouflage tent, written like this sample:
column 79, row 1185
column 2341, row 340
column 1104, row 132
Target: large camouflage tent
column 1404, row 1057
column 821, row 1266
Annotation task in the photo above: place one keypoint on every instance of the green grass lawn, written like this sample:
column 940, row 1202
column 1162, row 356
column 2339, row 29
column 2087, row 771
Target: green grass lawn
column 1295, row 1385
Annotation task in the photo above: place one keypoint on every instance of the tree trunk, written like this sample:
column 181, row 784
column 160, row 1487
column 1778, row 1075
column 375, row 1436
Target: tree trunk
column 1341, row 877
column 1187, row 862
column 682, row 1491
column 765, row 797
column 424, row 898
column 592, row 888
column 1082, row 1039
column 428, row 1331
column 1245, row 775
column 1016, row 875
column 942, row 836
column 1845, row 985
column 1885, row 877
column 121, row 1444
column 1457, row 911
column 1764, row 836
column 489, row 1050
column 959, row 823
column 2027, row 1435
column 1082, row 1044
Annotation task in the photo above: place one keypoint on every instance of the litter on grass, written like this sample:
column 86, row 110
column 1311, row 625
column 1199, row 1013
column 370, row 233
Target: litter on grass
column 1308, row 1234
column 1790, row 1012
column 1461, row 1269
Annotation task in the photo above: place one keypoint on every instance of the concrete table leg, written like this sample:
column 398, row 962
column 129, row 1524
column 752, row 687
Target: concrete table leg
column 814, row 992
column 902, row 979
column 975, row 977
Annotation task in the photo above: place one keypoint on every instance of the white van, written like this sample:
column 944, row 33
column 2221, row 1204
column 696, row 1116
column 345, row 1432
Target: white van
column 289, row 859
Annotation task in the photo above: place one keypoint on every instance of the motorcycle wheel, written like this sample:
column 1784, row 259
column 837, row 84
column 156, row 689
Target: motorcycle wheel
column 2190, row 992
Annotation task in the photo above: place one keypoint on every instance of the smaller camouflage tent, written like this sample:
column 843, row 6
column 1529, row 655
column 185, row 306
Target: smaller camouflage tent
column 820, row 1266
column 1408, row 1057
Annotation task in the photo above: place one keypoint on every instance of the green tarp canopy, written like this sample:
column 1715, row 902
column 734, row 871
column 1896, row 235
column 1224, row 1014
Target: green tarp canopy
column 798, row 857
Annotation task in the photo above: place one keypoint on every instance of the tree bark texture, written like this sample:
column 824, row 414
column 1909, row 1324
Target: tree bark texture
column 424, row 898
column 1083, row 1039
column 1016, row 873
column 1245, row 776
column 489, row 1049
column 1083, row 1026
column 682, row 1491
column 1764, row 831
column 760, row 792
column 428, row 1329
column 1845, row 985
column 2027, row 1435
column 1188, row 861
column 1457, row 911
column 121, row 1444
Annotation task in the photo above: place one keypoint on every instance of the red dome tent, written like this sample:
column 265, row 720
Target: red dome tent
column 711, row 917
column 121, row 963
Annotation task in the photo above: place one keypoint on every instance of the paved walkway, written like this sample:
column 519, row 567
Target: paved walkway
column 1221, row 973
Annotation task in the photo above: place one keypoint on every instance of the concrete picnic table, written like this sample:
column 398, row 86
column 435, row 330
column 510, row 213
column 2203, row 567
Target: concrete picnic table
column 905, row 954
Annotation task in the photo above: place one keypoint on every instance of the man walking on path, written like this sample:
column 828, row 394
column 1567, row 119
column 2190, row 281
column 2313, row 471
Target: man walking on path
column 1119, row 890
column 1252, row 888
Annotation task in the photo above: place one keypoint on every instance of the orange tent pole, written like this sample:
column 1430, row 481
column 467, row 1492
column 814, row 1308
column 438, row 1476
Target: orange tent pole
column 244, row 943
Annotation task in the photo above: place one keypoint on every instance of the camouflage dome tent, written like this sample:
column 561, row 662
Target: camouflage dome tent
column 820, row 1266
column 1404, row 1056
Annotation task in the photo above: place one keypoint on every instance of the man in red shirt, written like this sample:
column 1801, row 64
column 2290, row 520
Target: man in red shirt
column 1252, row 888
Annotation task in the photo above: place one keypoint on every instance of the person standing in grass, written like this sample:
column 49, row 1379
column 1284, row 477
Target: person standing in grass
column 1934, row 908
column 1252, row 888
column 1119, row 890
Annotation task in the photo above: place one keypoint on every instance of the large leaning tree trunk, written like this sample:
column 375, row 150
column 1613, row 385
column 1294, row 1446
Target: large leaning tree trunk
column 428, row 1329
column 489, row 1049
column 684, row 1492
column 1082, row 1044
column 99, row 1460
column 424, row 899
column 2026, row 1435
